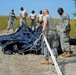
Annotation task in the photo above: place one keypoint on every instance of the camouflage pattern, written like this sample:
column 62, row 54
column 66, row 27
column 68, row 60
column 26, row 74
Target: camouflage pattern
column 64, row 32
column 22, row 21
column 33, row 23
column 52, row 37
column 11, row 21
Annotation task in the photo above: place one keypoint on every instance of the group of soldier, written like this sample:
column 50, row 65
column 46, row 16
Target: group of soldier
column 23, row 15
column 48, row 29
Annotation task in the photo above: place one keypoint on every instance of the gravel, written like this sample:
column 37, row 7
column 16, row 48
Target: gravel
column 29, row 64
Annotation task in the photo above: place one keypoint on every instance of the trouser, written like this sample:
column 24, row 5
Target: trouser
column 52, row 39
column 10, row 22
column 40, row 24
column 33, row 23
column 22, row 21
column 64, row 40
column 42, row 46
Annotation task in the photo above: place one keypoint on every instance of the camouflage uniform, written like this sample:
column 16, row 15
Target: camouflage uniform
column 64, row 36
column 11, row 21
column 33, row 23
column 22, row 21
column 51, row 35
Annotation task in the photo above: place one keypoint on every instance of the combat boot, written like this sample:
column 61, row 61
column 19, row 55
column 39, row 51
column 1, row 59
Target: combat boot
column 68, row 54
column 64, row 53
column 55, row 59
column 45, row 62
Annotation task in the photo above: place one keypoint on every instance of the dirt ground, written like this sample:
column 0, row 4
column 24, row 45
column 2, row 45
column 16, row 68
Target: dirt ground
column 29, row 64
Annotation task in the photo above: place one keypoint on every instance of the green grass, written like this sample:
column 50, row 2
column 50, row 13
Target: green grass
column 73, row 28
column 4, row 23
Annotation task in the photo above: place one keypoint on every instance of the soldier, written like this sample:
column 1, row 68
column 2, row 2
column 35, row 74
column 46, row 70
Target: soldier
column 49, row 30
column 64, row 32
column 40, row 18
column 23, row 15
column 33, row 19
column 11, row 20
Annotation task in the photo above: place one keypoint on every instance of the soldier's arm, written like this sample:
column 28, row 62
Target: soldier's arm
column 11, row 14
column 67, row 23
column 67, row 20
column 15, row 17
column 26, row 14
column 20, row 15
column 44, row 26
column 38, row 20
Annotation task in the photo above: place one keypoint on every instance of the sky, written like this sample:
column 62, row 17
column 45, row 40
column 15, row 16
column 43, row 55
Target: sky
column 37, row 5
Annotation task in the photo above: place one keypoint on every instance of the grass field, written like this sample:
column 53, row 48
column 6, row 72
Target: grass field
column 4, row 23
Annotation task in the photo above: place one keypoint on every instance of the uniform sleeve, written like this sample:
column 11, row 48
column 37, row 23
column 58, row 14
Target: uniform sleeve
column 26, row 13
column 44, row 18
column 67, row 23
column 12, row 15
